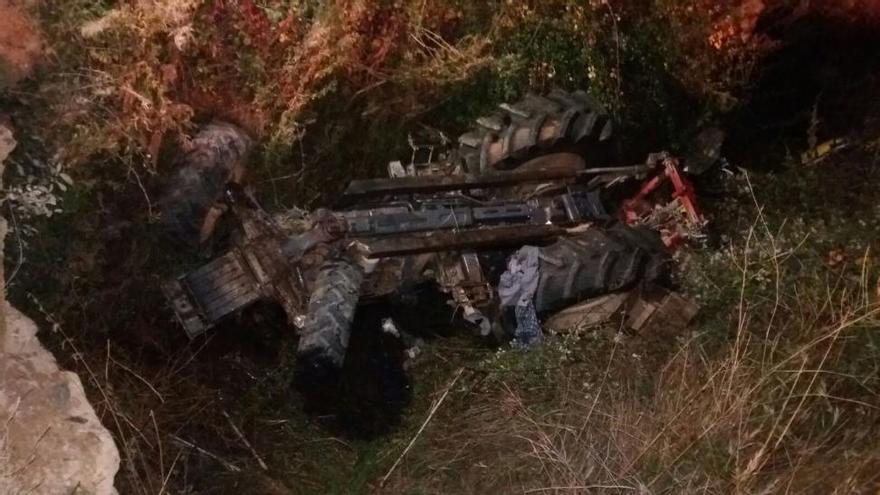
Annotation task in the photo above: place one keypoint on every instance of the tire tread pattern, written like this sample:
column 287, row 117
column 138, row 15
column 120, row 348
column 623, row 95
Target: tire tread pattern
column 597, row 262
column 534, row 126
column 201, row 178
column 324, row 337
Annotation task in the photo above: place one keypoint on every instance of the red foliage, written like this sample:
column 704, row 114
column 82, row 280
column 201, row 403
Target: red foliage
column 250, row 22
column 376, row 28
column 240, row 43
column 255, row 25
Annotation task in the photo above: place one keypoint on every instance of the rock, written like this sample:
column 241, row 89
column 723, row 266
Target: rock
column 51, row 440
column 7, row 143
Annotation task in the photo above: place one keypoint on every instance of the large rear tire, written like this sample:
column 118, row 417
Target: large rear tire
column 538, row 126
column 213, row 158
column 597, row 262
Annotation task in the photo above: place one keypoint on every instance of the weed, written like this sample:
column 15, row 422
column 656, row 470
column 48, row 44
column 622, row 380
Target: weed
column 771, row 390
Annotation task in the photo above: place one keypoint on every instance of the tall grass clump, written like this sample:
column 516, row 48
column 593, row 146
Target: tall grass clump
column 774, row 390
column 787, row 406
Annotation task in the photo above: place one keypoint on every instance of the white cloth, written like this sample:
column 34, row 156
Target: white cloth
column 520, row 281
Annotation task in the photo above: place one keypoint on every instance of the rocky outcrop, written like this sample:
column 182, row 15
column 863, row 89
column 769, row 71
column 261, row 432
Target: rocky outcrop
column 51, row 440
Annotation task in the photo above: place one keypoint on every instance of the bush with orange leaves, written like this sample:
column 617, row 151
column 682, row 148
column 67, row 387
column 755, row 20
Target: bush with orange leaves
column 144, row 69
column 719, row 43
column 126, row 77
column 109, row 87
column 710, row 46
column 281, row 59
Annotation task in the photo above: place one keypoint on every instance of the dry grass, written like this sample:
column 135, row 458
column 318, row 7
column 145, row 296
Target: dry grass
column 762, row 418
column 789, row 404
column 141, row 412
column 789, row 397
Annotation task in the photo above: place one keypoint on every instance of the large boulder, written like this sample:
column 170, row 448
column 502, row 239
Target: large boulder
column 51, row 440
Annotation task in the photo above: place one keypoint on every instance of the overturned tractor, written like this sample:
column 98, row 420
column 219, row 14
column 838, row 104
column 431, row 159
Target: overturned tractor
column 514, row 224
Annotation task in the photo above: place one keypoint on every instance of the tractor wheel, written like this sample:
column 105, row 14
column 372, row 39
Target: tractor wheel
column 323, row 339
column 560, row 129
column 213, row 158
column 598, row 262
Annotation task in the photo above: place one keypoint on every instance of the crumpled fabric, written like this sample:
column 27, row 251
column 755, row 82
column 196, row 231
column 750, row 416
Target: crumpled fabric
column 528, row 329
column 475, row 316
column 517, row 288
column 520, row 281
